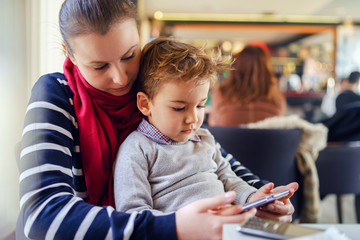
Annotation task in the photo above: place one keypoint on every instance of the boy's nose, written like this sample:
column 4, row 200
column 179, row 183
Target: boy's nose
column 192, row 117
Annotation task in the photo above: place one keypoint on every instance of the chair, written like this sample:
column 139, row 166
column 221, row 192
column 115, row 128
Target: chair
column 268, row 153
column 338, row 168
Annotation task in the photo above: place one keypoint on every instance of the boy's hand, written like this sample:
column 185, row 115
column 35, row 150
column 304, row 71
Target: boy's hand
column 280, row 210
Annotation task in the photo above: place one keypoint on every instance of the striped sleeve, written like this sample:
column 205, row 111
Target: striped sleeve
column 241, row 171
column 52, row 185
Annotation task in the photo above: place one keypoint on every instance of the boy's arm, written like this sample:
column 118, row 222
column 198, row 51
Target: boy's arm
column 230, row 180
column 241, row 171
column 132, row 189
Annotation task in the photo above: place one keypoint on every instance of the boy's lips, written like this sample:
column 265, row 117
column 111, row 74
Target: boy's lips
column 188, row 131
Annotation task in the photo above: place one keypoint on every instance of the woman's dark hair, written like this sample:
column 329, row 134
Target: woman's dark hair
column 79, row 17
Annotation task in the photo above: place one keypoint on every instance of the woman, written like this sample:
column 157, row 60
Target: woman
column 74, row 124
column 250, row 93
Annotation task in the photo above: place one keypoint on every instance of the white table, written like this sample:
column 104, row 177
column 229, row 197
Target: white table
column 351, row 230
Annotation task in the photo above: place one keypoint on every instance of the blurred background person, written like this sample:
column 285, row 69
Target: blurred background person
column 349, row 90
column 250, row 93
column 344, row 125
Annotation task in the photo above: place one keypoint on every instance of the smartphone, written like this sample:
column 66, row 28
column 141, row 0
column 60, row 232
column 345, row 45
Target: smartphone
column 266, row 228
column 265, row 200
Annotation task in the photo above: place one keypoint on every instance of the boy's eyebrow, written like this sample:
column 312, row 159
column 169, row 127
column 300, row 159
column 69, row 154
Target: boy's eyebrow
column 178, row 101
column 181, row 101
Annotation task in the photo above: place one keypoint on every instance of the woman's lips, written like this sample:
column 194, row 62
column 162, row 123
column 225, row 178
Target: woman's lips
column 121, row 88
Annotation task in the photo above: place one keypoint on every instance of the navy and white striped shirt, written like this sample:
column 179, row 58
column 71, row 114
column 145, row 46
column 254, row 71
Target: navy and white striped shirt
column 52, row 182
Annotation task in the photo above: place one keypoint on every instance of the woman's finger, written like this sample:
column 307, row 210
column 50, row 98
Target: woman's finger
column 231, row 210
column 216, row 202
column 241, row 217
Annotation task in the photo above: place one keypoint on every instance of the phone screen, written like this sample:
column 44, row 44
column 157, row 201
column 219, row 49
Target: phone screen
column 265, row 200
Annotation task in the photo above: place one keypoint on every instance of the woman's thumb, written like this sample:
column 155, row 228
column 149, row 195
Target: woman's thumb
column 216, row 202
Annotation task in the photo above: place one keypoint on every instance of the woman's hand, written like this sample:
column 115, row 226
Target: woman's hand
column 203, row 219
column 280, row 210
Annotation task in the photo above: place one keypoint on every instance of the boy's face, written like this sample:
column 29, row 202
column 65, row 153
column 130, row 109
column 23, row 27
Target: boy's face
column 177, row 109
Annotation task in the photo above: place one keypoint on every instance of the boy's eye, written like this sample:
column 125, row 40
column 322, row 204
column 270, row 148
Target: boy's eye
column 201, row 106
column 101, row 67
column 179, row 109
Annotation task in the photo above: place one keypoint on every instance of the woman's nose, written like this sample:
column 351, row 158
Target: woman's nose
column 119, row 75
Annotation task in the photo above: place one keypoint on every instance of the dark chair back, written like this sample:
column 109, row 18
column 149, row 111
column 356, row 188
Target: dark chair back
column 268, row 153
column 338, row 168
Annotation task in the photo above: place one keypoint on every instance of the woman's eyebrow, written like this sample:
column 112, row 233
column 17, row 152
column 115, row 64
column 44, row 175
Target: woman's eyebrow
column 129, row 50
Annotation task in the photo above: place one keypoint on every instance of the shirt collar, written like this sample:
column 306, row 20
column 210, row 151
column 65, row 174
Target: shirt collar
column 155, row 135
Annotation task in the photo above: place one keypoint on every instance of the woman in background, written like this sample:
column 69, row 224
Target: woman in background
column 250, row 93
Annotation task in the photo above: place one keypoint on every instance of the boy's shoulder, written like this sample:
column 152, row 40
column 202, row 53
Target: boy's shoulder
column 137, row 140
column 205, row 134
column 134, row 137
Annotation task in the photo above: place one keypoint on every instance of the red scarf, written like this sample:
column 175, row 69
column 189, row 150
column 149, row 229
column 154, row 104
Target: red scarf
column 104, row 122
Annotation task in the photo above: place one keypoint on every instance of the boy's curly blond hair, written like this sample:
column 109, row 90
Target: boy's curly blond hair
column 166, row 59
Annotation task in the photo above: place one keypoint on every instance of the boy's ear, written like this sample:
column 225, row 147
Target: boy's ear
column 143, row 103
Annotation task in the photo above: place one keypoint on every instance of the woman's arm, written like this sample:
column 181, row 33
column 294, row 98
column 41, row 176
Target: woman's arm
column 194, row 221
column 52, row 184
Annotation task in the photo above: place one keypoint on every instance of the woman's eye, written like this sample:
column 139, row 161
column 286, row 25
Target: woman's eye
column 101, row 67
column 129, row 57
column 201, row 106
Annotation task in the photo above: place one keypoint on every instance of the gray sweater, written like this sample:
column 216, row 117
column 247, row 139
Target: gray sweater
column 164, row 178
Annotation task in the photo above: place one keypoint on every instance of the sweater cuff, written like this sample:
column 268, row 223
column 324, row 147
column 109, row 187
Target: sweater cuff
column 248, row 198
column 163, row 227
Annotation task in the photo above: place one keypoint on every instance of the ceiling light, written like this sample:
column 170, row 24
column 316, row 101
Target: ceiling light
column 205, row 17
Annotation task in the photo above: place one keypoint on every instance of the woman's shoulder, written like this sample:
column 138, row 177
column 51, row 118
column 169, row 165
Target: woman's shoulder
column 51, row 91
column 52, row 80
column 49, row 86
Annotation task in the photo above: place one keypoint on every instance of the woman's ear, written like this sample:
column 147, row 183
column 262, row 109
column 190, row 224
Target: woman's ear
column 67, row 53
column 143, row 103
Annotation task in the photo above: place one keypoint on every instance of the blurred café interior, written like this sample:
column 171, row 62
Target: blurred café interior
column 313, row 46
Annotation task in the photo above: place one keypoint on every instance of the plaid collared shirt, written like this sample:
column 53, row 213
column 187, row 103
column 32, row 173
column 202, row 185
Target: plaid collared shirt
column 155, row 135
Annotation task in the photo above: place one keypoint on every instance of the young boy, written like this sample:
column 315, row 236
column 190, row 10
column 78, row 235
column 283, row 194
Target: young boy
column 170, row 161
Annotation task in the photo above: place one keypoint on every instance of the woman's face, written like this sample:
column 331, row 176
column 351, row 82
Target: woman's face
column 109, row 62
